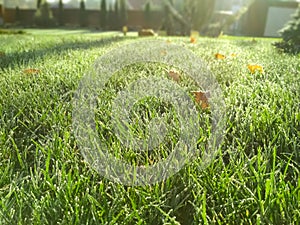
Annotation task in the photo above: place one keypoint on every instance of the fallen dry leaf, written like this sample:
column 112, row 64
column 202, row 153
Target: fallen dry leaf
column 193, row 40
column 163, row 52
column 219, row 56
column 31, row 71
column 2, row 54
column 174, row 75
column 254, row 68
column 201, row 98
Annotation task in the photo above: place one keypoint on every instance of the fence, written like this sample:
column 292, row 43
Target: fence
column 71, row 17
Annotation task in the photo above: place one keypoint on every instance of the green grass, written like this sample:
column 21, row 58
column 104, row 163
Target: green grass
column 9, row 31
column 44, row 180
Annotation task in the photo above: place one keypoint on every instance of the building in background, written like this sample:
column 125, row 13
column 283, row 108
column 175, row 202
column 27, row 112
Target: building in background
column 264, row 17
column 279, row 13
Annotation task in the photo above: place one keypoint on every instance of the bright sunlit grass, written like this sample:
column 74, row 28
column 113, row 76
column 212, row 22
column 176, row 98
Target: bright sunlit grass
column 43, row 179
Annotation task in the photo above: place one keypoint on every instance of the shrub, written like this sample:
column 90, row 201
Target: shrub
column 38, row 4
column 168, row 22
column 18, row 15
column 291, row 35
column 43, row 16
column 82, row 14
column 147, row 14
column 103, row 15
column 123, row 13
column 116, row 21
column 60, row 13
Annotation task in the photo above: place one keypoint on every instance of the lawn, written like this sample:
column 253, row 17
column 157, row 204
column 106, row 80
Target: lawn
column 254, row 179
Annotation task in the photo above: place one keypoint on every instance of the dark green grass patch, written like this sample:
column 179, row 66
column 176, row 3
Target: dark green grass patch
column 9, row 31
column 44, row 180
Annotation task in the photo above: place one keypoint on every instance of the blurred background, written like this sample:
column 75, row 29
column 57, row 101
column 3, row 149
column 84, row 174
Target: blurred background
column 168, row 17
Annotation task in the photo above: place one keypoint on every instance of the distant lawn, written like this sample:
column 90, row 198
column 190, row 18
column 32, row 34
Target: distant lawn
column 43, row 179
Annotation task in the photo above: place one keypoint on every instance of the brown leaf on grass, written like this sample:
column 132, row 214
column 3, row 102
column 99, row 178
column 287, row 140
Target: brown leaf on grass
column 2, row 54
column 201, row 98
column 31, row 71
column 174, row 75
column 163, row 52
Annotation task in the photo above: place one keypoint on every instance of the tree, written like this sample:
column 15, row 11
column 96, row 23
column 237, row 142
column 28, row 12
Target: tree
column 43, row 16
column 116, row 23
column 171, row 13
column 60, row 13
column 18, row 15
column 110, row 17
column 291, row 35
column 214, row 28
column 168, row 23
column 123, row 13
column 82, row 14
column 197, row 14
column 38, row 4
column 103, row 14
column 147, row 13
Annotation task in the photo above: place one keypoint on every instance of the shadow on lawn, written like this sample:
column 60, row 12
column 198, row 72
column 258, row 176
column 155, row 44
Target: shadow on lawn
column 17, row 58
